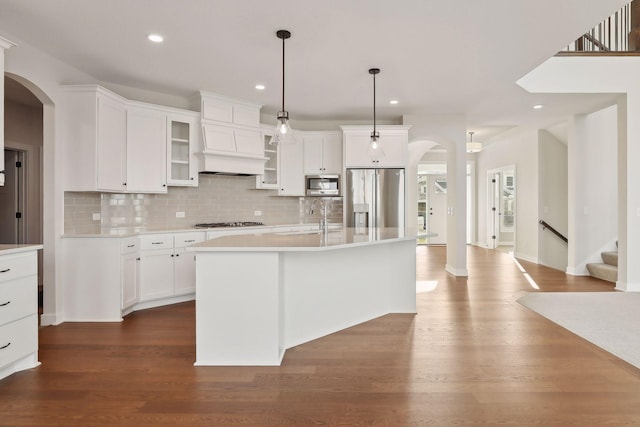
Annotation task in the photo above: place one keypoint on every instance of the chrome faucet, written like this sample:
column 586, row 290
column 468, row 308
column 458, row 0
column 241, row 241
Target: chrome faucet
column 323, row 221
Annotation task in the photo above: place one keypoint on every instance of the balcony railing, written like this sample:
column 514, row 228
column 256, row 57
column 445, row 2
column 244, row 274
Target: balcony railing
column 618, row 34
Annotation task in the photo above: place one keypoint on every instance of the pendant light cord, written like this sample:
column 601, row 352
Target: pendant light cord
column 283, row 74
column 374, row 103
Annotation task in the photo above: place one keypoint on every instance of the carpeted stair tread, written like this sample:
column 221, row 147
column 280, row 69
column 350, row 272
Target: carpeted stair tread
column 610, row 258
column 603, row 271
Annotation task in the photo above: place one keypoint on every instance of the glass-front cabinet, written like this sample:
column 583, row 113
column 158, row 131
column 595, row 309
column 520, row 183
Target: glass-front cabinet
column 181, row 164
column 268, row 180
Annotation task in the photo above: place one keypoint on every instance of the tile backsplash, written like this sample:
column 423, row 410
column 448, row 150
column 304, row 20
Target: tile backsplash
column 218, row 198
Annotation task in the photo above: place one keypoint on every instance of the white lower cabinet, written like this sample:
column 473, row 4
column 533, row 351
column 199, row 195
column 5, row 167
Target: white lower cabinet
column 167, row 270
column 156, row 274
column 130, row 271
column 18, row 312
column 184, row 272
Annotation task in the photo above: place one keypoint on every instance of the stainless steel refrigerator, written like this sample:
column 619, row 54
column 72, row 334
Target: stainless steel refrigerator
column 374, row 198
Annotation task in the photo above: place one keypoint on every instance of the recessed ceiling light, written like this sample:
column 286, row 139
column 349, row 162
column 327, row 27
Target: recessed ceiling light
column 156, row 38
column 538, row 107
column 260, row 87
column 393, row 102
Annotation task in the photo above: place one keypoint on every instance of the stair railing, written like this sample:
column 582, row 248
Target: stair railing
column 553, row 230
column 617, row 33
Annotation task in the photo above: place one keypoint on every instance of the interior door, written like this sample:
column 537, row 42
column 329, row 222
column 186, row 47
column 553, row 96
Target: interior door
column 494, row 209
column 9, row 200
column 437, row 208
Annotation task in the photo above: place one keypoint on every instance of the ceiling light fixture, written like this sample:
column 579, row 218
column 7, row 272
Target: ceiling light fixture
column 283, row 131
column 260, row 87
column 538, row 107
column 393, row 102
column 156, row 38
column 473, row 147
column 375, row 150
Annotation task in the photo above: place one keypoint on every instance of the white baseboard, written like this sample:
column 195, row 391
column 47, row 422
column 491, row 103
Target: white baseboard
column 50, row 319
column 627, row 287
column 462, row 272
column 526, row 257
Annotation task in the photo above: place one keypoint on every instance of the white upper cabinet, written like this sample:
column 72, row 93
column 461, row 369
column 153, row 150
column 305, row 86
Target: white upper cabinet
column 269, row 179
column 290, row 167
column 93, row 133
column 146, row 150
column 182, row 168
column 322, row 153
column 115, row 145
column 394, row 141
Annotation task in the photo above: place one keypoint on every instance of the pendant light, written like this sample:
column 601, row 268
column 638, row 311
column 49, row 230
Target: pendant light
column 473, row 147
column 375, row 150
column 283, row 132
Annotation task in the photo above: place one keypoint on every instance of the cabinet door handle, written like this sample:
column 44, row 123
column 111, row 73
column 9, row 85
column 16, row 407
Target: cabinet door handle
column 5, row 304
column 130, row 246
column 6, row 270
column 191, row 178
column 137, row 259
column 189, row 241
column 156, row 243
column 171, row 255
column 5, row 346
column 177, row 254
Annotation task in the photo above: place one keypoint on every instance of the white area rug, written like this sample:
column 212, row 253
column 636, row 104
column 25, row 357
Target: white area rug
column 609, row 320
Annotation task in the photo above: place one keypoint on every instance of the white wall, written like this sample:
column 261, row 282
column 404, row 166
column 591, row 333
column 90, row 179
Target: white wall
column 593, row 188
column 552, row 200
column 619, row 75
column 518, row 148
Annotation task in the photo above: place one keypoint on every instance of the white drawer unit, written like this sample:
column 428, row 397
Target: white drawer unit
column 182, row 240
column 129, row 245
column 18, row 298
column 15, row 266
column 18, row 339
column 18, row 309
column 156, row 241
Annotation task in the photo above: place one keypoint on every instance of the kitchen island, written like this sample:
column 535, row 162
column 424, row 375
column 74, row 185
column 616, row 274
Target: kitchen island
column 260, row 294
column 18, row 308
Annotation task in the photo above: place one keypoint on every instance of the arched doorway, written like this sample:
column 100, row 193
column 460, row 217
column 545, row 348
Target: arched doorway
column 39, row 148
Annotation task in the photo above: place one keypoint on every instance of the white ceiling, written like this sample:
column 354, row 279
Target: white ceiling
column 436, row 56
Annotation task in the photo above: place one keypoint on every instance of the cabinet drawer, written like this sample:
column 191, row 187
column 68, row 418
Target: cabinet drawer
column 18, row 265
column 187, row 239
column 129, row 245
column 156, row 241
column 18, row 339
column 18, row 299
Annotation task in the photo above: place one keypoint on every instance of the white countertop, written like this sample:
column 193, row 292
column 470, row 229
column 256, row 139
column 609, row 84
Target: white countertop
column 306, row 241
column 135, row 231
column 14, row 249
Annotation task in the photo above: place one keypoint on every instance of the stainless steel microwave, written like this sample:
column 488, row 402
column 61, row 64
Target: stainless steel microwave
column 322, row 185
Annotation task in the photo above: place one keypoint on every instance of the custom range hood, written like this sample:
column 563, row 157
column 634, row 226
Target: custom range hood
column 232, row 141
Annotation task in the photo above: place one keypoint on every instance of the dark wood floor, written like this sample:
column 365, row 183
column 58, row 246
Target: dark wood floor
column 471, row 355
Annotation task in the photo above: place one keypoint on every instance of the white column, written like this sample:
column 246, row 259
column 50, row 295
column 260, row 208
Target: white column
column 4, row 44
column 457, row 207
column 628, row 194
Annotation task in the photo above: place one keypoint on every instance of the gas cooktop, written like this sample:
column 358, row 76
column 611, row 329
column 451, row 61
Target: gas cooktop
column 228, row 224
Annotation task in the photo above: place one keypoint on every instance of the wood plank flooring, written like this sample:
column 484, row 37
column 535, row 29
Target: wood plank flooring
column 471, row 355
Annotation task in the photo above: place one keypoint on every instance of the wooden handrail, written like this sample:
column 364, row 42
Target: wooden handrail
column 596, row 42
column 553, row 230
column 620, row 32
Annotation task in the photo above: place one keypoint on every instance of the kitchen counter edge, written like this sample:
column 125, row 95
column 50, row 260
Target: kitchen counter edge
column 6, row 249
